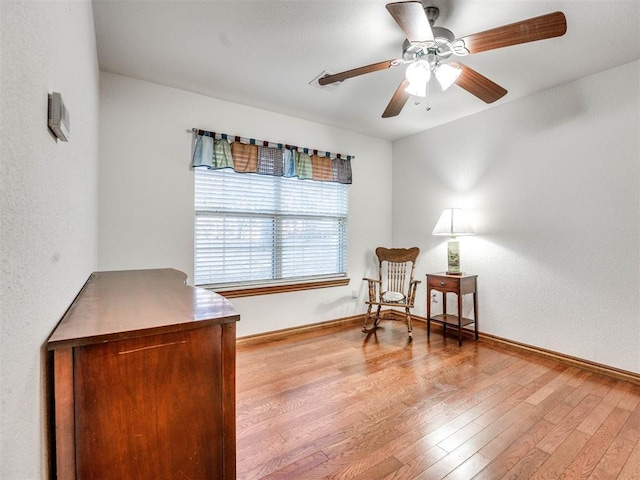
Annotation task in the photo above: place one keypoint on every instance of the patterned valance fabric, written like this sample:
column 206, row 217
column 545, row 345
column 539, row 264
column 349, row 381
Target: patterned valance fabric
column 281, row 160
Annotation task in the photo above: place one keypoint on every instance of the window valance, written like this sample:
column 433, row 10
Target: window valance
column 247, row 155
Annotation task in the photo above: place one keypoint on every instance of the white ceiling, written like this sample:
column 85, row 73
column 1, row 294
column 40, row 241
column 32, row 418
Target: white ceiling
column 264, row 53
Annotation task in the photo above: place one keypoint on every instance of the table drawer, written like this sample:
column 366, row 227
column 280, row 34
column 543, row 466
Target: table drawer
column 444, row 284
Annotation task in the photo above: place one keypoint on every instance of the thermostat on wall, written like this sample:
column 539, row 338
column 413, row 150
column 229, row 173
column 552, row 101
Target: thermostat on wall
column 58, row 120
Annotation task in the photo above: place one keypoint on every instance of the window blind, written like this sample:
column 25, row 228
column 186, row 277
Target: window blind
column 258, row 229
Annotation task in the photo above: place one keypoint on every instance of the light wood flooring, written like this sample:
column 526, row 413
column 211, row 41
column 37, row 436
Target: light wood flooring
column 340, row 404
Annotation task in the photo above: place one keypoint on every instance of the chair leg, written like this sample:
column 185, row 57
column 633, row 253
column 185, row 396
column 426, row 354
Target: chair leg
column 377, row 320
column 366, row 318
column 409, row 322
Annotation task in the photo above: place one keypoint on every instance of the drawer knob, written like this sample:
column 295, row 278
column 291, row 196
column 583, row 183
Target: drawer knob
column 442, row 284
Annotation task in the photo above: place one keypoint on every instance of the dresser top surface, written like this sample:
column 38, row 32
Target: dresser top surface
column 122, row 304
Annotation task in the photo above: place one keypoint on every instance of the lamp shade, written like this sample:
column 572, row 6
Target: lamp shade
column 447, row 75
column 418, row 75
column 452, row 222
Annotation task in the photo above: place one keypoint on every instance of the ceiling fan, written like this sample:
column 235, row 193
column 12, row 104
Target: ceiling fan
column 429, row 51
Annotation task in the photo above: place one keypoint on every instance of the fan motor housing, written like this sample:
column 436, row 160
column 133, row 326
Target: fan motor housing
column 441, row 48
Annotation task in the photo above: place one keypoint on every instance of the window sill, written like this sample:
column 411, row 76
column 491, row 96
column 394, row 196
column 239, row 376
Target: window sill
column 271, row 289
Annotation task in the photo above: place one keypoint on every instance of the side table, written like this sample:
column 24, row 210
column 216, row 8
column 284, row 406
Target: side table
column 460, row 285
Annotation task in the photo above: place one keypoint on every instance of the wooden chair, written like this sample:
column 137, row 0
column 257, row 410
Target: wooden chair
column 395, row 286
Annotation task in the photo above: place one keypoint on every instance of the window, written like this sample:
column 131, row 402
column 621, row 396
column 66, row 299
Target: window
column 255, row 229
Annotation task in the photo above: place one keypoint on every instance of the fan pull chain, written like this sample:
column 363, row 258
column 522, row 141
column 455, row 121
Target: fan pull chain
column 428, row 102
column 417, row 102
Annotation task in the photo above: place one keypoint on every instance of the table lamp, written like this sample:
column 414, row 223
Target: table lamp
column 452, row 222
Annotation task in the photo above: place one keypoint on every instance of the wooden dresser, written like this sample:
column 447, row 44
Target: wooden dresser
column 144, row 380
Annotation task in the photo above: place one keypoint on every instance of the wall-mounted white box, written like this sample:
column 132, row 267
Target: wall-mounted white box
column 58, row 117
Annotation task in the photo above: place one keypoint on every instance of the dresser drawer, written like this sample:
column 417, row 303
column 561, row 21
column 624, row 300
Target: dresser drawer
column 444, row 284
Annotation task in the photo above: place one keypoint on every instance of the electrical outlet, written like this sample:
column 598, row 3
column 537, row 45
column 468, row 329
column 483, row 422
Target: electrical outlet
column 354, row 293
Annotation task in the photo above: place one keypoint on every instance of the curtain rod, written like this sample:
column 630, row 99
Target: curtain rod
column 267, row 143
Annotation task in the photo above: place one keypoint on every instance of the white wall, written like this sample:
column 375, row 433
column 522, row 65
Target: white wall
column 48, row 206
column 146, row 190
column 552, row 184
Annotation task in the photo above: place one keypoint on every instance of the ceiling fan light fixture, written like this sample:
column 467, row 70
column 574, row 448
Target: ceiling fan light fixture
column 417, row 89
column 418, row 75
column 447, row 75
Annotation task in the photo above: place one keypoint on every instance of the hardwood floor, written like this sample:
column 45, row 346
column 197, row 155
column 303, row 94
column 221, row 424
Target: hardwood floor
column 338, row 404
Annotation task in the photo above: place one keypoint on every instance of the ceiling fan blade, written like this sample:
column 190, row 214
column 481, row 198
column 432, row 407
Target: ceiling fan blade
column 397, row 101
column 339, row 77
column 478, row 85
column 411, row 18
column 531, row 30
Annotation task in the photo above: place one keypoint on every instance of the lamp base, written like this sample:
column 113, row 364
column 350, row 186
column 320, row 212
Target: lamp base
column 459, row 274
column 453, row 257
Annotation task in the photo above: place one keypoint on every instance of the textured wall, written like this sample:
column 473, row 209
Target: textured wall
column 552, row 185
column 48, row 206
column 146, row 190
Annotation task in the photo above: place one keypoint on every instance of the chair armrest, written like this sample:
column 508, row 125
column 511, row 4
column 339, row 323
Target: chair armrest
column 373, row 291
column 412, row 292
column 371, row 280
